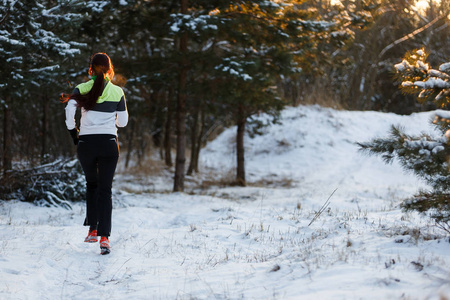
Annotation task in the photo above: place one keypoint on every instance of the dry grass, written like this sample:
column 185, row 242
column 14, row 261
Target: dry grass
column 229, row 179
column 270, row 182
column 321, row 94
column 149, row 166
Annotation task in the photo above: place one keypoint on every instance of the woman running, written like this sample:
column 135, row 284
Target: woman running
column 103, row 109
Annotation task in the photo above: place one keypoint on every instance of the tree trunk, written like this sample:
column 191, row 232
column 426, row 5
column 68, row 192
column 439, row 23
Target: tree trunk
column 7, row 136
column 130, row 143
column 141, row 150
column 181, row 134
column 240, row 151
column 168, row 130
column 159, row 117
column 178, row 185
column 199, row 140
column 193, row 143
column 45, row 126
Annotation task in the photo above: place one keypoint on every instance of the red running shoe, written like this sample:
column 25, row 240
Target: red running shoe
column 92, row 237
column 105, row 248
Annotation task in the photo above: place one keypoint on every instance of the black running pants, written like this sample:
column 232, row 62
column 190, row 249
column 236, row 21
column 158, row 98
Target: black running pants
column 98, row 155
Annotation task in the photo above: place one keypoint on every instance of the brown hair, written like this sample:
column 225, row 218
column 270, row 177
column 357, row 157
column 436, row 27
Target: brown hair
column 101, row 67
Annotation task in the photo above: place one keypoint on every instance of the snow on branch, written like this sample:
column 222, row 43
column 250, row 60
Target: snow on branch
column 11, row 41
column 234, row 68
column 433, row 83
column 318, row 26
column 192, row 23
column 444, row 67
column 97, row 6
column 438, row 74
column 48, row 68
column 417, row 76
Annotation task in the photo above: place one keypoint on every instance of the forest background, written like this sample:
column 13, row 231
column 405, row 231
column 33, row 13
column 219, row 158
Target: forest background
column 192, row 68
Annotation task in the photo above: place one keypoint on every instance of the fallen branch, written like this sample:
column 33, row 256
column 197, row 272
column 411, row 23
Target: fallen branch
column 53, row 184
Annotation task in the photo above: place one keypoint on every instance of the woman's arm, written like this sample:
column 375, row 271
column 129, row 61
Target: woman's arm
column 122, row 113
column 71, row 109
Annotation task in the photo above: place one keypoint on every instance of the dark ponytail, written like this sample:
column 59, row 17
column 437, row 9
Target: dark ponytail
column 89, row 100
column 100, row 69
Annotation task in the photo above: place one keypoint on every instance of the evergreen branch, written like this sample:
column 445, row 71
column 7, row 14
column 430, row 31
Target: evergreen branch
column 386, row 147
column 422, row 155
column 438, row 74
column 434, row 204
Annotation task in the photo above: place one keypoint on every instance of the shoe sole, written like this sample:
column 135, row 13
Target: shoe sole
column 91, row 241
column 104, row 251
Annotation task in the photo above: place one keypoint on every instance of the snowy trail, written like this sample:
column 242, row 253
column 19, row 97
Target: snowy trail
column 245, row 243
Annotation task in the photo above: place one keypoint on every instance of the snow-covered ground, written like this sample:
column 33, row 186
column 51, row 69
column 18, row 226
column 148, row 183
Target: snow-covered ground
column 245, row 243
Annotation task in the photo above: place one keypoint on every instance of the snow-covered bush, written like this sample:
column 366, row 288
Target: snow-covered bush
column 53, row 184
column 427, row 157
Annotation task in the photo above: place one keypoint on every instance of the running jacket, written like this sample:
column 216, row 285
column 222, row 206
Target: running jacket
column 109, row 112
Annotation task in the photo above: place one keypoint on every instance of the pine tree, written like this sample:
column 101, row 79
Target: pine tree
column 30, row 52
column 426, row 156
column 262, row 42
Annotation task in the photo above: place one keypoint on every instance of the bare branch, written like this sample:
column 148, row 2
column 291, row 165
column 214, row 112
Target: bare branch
column 4, row 18
column 407, row 37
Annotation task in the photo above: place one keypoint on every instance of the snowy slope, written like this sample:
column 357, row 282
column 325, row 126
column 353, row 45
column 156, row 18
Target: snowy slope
column 245, row 243
column 316, row 148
